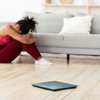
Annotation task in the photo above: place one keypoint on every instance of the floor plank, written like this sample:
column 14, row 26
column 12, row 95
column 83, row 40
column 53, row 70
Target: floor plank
column 16, row 79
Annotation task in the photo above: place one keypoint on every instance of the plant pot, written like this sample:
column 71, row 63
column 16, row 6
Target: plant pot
column 66, row 1
column 47, row 1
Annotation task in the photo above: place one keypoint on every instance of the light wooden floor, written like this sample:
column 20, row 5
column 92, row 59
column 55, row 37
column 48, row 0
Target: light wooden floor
column 16, row 79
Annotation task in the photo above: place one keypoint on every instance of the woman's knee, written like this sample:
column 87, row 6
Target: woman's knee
column 15, row 43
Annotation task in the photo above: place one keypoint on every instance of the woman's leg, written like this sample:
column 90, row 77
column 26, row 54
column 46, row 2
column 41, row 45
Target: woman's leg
column 33, row 51
column 2, row 47
column 10, row 51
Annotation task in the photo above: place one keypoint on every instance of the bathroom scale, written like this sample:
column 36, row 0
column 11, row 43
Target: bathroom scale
column 54, row 85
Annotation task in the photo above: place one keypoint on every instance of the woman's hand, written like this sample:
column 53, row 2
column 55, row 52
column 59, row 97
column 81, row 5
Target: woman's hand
column 29, row 37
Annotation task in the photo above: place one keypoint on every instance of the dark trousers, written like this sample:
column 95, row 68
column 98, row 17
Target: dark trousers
column 10, row 51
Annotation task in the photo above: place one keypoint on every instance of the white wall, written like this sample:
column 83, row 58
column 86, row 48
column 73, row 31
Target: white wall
column 12, row 10
column 76, row 7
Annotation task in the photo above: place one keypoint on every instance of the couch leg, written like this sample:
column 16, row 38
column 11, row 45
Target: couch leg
column 68, row 58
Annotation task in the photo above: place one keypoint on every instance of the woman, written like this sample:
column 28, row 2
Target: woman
column 15, row 38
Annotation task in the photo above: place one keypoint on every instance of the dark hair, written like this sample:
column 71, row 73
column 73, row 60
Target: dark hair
column 27, row 24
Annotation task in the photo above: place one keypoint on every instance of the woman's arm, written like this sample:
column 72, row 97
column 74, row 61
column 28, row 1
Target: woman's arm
column 29, row 36
column 15, row 35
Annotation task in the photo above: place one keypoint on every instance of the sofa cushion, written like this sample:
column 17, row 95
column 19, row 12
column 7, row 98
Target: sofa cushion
column 95, row 22
column 70, row 41
column 46, row 39
column 48, row 22
column 77, row 25
column 86, row 41
column 95, row 29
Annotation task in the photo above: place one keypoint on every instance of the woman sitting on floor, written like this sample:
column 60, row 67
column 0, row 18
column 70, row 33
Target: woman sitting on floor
column 15, row 38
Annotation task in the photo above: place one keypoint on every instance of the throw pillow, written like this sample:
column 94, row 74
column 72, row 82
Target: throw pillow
column 76, row 25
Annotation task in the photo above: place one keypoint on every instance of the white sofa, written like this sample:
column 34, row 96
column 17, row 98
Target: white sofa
column 50, row 41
